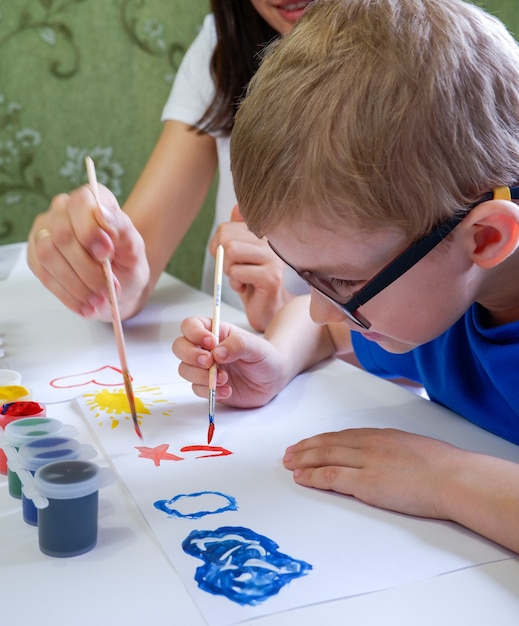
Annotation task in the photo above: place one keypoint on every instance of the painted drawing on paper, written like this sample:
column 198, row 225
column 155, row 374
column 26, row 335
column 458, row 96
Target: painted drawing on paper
column 240, row 564
column 197, row 505
column 112, row 404
column 160, row 453
column 105, row 376
column 157, row 454
column 221, row 513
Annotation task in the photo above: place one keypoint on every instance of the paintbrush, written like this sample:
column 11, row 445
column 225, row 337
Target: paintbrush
column 116, row 315
column 213, row 371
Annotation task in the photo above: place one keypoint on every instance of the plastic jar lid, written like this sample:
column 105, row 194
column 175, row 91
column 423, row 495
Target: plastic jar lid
column 44, row 450
column 65, row 480
column 22, row 431
column 10, row 377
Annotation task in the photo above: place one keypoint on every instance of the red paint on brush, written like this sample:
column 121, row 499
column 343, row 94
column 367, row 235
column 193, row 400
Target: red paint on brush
column 210, row 432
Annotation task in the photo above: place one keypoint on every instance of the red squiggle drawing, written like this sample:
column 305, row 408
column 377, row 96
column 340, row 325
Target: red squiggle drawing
column 218, row 451
column 105, row 376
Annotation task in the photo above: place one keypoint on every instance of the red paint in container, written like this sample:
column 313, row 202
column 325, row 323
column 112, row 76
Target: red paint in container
column 68, row 525
column 12, row 411
column 21, row 408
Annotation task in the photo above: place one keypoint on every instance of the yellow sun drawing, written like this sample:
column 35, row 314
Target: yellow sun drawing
column 113, row 403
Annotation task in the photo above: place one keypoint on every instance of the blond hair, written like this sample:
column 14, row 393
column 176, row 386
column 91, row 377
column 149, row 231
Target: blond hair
column 378, row 113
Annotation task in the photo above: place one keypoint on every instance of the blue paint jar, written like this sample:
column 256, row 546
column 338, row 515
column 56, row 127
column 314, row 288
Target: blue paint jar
column 27, row 429
column 68, row 525
column 37, row 453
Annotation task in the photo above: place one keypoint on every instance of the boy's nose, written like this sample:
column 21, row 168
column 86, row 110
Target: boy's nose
column 322, row 311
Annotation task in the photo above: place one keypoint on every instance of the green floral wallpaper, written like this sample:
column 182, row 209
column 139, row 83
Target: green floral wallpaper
column 91, row 76
column 84, row 77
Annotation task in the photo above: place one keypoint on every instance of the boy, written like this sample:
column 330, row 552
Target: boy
column 377, row 150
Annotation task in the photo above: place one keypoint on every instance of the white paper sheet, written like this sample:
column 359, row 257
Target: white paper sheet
column 352, row 548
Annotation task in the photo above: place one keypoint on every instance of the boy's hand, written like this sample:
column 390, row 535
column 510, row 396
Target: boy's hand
column 387, row 468
column 251, row 371
column 68, row 242
column 254, row 271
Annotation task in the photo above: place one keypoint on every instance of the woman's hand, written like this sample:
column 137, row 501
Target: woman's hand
column 68, row 243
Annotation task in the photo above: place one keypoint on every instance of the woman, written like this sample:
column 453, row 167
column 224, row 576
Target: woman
column 67, row 242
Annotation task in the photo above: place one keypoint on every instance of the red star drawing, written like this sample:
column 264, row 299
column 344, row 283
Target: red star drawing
column 157, row 454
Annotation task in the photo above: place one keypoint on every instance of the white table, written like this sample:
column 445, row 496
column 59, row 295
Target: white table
column 127, row 579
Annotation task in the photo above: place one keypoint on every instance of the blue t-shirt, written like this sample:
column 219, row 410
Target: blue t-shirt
column 470, row 369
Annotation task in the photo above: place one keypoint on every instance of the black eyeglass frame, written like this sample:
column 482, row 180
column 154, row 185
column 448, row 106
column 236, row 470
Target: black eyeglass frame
column 395, row 268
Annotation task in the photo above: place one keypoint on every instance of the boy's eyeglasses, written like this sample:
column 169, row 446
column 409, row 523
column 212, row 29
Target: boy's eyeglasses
column 395, row 268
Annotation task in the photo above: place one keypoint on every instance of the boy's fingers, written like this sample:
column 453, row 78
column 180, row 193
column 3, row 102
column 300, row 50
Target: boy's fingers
column 236, row 216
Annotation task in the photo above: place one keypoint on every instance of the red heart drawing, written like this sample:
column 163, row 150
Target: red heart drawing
column 111, row 377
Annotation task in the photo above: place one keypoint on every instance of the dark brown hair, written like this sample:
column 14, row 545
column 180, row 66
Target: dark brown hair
column 241, row 36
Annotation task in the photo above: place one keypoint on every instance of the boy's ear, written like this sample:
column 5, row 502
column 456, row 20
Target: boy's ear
column 494, row 232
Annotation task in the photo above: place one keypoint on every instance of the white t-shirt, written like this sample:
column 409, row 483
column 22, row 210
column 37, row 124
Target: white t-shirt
column 191, row 94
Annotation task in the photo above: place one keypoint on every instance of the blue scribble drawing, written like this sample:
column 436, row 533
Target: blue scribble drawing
column 210, row 500
column 240, row 564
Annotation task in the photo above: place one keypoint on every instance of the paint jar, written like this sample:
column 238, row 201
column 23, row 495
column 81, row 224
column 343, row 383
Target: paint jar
column 39, row 452
column 24, row 430
column 68, row 525
column 12, row 411
column 11, row 393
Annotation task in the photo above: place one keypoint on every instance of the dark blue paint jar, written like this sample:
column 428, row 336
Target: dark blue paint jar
column 40, row 452
column 68, row 525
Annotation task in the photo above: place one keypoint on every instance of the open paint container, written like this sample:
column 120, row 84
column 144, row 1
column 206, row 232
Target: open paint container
column 27, row 429
column 67, row 525
column 12, row 411
column 39, row 452
column 11, row 393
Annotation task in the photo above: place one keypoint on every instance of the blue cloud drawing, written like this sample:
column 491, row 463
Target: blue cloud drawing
column 245, row 567
column 213, row 501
